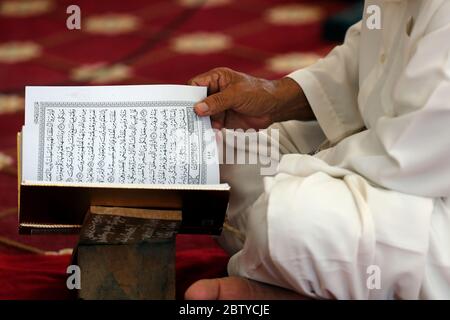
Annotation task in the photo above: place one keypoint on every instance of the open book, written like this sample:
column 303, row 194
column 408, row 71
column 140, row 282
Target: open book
column 122, row 134
column 130, row 146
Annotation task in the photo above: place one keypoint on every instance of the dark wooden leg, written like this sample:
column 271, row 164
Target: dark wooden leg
column 128, row 271
column 127, row 253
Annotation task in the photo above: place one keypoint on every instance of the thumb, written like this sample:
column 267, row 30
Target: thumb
column 214, row 104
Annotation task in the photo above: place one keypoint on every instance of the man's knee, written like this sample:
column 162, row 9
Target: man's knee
column 304, row 221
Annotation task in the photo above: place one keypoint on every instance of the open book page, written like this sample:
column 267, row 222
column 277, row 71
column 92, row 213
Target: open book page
column 118, row 134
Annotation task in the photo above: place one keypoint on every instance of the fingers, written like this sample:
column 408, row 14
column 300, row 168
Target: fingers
column 220, row 96
column 215, row 103
column 210, row 80
column 216, row 79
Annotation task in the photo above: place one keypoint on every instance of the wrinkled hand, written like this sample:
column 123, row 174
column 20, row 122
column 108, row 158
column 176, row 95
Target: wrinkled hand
column 237, row 100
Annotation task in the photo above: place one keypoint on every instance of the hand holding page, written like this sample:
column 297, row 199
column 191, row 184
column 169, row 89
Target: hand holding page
column 146, row 134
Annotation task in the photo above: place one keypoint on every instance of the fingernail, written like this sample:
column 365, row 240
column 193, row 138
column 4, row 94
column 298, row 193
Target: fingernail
column 202, row 107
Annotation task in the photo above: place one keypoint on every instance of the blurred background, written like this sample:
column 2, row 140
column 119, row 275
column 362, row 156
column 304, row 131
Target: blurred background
column 139, row 42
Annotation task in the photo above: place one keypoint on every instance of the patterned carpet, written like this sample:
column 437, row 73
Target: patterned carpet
column 132, row 42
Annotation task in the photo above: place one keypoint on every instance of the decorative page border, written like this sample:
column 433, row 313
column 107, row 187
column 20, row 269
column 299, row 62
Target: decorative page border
column 40, row 112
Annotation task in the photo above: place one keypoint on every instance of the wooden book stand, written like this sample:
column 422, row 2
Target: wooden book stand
column 114, row 267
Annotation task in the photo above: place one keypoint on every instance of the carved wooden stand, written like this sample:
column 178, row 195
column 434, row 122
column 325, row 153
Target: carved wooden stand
column 144, row 270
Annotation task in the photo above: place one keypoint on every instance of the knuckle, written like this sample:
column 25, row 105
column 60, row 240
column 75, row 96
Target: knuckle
column 224, row 72
column 220, row 101
column 221, row 69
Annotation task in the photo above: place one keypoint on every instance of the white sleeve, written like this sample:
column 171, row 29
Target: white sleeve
column 409, row 151
column 331, row 86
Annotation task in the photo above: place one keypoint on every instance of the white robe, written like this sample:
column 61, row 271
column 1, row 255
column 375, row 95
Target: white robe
column 379, row 196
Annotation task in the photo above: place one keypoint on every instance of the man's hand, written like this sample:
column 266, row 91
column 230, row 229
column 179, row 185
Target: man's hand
column 237, row 100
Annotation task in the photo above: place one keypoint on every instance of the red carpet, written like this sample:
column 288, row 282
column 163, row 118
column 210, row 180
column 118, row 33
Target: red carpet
column 133, row 42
